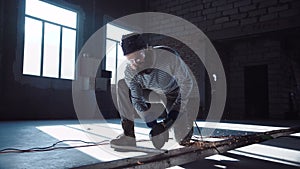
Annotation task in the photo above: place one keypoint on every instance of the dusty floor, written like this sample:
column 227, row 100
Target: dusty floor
column 277, row 153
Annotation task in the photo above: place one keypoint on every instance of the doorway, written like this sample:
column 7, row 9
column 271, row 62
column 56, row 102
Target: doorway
column 256, row 92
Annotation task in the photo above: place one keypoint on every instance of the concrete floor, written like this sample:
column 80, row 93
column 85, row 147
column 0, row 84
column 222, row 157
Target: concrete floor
column 277, row 153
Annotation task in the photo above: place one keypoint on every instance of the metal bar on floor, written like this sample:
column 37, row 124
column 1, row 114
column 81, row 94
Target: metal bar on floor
column 192, row 152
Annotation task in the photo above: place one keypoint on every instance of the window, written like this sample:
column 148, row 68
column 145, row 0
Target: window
column 114, row 53
column 49, row 40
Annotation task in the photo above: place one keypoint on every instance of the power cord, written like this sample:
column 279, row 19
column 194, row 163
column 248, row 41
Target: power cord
column 87, row 144
column 214, row 146
column 199, row 130
column 54, row 146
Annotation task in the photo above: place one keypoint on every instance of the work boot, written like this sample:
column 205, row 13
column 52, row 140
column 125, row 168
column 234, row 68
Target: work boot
column 127, row 138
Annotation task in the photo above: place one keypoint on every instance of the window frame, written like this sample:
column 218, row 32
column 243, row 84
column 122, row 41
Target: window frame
column 40, row 81
column 61, row 27
column 117, row 44
column 109, row 20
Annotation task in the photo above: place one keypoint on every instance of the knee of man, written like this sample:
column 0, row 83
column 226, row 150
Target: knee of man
column 122, row 83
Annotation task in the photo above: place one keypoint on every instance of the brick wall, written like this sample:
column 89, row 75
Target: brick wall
column 1, row 48
column 245, row 33
column 292, row 51
column 259, row 52
column 283, row 73
column 230, row 18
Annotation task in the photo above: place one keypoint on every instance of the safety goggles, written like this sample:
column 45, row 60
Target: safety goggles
column 138, row 57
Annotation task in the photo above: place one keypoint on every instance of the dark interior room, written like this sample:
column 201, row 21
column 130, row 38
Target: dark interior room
column 61, row 63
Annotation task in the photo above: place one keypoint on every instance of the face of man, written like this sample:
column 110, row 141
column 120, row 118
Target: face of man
column 136, row 59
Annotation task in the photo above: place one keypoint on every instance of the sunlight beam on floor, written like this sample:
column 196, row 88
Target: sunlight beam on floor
column 100, row 131
column 238, row 127
column 270, row 153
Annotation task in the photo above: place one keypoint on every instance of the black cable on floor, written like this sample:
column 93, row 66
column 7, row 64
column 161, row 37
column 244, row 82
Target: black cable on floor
column 199, row 130
column 53, row 146
column 202, row 137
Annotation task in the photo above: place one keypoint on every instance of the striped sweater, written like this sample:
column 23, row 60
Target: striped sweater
column 165, row 74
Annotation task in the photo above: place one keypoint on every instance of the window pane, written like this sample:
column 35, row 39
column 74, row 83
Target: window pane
column 115, row 33
column 111, row 58
column 121, row 60
column 32, row 47
column 51, row 50
column 51, row 13
column 121, row 57
column 68, row 53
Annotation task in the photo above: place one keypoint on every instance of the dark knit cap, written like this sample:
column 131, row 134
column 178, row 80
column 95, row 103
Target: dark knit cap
column 132, row 42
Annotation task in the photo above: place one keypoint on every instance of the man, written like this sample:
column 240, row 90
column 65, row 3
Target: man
column 151, row 77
